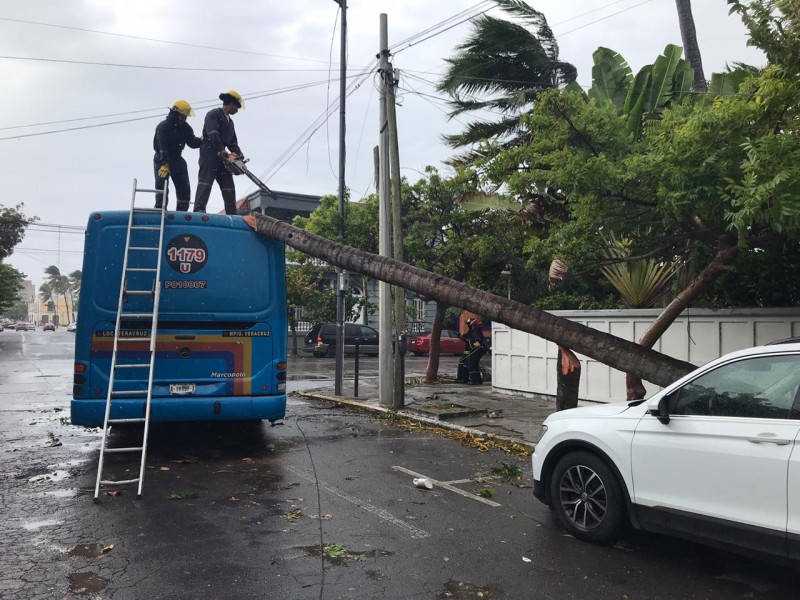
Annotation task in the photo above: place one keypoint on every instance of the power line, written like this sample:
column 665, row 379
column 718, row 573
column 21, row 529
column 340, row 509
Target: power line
column 158, row 67
column 251, row 97
column 432, row 35
column 160, row 41
column 197, row 104
column 412, row 40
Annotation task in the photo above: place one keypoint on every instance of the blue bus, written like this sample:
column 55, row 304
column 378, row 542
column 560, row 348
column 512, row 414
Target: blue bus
column 221, row 336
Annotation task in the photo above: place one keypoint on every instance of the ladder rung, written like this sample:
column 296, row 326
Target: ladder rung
column 128, row 393
column 136, row 315
column 140, row 270
column 118, row 421
column 119, row 482
column 134, row 339
column 144, row 248
column 145, row 228
column 132, row 366
column 120, row 450
column 150, row 190
column 139, row 292
column 147, row 210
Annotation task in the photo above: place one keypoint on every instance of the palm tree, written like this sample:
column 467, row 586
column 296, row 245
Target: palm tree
column 689, row 37
column 75, row 279
column 503, row 66
column 59, row 284
column 608, row 349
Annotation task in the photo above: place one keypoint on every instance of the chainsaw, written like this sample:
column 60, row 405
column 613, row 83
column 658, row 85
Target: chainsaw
column 238, row 166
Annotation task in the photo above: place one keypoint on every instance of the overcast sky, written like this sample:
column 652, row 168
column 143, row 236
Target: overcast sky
column 62, row 177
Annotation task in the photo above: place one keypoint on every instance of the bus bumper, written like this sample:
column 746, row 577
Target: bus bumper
column 90, row 413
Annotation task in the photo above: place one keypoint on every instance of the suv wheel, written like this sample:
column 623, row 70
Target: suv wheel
column 587, row 497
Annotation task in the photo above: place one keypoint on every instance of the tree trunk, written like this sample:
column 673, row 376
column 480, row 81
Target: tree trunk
column 608, row 349
column 568, row 379
column 603, row 347
column 432, row 370
column 721, row 263
column 692, row 49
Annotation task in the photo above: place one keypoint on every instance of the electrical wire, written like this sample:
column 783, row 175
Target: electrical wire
column 414, row 39
column 432, row 35
column 256, row 96
column 317, row 124
column 319, row 509
column 136, row 37
column 158, row 67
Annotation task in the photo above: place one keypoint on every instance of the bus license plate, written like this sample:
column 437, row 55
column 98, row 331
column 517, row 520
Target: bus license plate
column 181, row 388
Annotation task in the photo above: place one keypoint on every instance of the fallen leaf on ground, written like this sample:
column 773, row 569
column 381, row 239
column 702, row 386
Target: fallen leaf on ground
column 526, row 559
column 114, row 493
column 164, row 469
column 327, row 516
column 293, row 516
column 233, row 498
column 105, row 549
column 248, row 461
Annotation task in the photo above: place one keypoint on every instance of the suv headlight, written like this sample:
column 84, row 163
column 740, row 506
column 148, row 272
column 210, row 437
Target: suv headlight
column 542, row 431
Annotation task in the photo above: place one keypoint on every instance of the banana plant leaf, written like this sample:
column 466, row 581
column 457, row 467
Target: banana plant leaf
column 480, row 201
column 611, row 77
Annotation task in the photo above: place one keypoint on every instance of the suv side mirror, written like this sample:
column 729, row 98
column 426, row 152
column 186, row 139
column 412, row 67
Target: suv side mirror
column 662, row 412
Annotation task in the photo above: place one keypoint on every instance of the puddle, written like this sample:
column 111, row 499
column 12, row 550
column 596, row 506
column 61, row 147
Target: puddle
column 37, row 525
column 67, row 493
column 346, row 556
column 461, row 590
column 52, row 477
column 86, row 583
column 90, row 550
column 283, row 446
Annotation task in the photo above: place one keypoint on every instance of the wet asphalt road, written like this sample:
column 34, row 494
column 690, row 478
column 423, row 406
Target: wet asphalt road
column 240, row 511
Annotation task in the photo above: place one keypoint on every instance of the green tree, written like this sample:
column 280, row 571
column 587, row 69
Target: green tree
column 75, row 280
column 13, row 224
column 10, row 282
column 502, row 66
column 712, row 178
column 58, row 283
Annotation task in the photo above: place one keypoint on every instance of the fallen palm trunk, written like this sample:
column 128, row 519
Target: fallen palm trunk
column 615, row 352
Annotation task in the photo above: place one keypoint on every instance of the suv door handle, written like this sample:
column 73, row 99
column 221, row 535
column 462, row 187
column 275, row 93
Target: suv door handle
column 769, row 438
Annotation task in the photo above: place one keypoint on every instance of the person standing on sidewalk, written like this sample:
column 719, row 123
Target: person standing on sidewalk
column 219, row 134
column 172, row 134
column 477, row 348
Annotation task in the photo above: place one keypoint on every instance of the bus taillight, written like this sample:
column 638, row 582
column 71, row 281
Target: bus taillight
column 80, row 368
column 281, row 366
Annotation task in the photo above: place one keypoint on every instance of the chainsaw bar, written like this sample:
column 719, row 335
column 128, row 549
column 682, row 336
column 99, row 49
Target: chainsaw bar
column 238, row 166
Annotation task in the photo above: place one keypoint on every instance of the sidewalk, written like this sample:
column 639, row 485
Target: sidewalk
column 477, row 408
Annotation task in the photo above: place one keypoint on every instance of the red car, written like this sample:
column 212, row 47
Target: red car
column 420, row 343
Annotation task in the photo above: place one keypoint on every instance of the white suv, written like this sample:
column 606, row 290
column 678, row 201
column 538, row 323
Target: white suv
column 710, row 458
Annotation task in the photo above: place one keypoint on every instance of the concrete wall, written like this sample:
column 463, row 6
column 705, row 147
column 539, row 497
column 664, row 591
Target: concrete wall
column 522, row 362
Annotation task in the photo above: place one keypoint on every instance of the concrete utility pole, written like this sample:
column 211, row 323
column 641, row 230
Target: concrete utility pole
column 340, row 274
column 385, row 371
column 397, row 236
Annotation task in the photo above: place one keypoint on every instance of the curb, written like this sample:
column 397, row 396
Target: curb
column 415, row 417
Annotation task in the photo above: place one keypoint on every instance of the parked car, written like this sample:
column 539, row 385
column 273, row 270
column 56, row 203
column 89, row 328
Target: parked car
column 321, row 339
column 710, row 458
column 25, row 327
column 450, row 343
column 72, row 327
column 49, row 327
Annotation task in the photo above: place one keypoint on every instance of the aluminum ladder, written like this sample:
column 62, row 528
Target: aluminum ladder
column 124, row 293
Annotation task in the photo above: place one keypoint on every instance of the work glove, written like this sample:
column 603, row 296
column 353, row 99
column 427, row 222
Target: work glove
column 476, row 345
column 163, row 172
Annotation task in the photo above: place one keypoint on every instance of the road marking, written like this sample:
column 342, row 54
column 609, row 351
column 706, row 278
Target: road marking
column 447, row 486
column 473, row 479
column 382, row 514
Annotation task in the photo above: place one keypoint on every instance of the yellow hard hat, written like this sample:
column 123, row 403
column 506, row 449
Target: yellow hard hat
column 183, row 107
column 232, row 95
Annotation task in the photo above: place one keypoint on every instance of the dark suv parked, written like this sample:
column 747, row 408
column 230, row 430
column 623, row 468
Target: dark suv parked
column 321, row 339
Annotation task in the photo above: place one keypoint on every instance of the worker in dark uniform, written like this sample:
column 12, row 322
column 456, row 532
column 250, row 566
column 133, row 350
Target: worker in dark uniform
column 477, row 348
column 218, row 134
column 172, row 134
